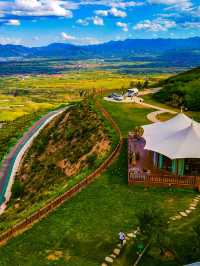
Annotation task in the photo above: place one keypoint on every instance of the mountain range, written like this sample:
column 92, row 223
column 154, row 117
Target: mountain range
column 113, row 49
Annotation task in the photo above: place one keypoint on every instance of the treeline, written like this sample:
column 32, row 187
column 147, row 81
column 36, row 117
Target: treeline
column 181, row 90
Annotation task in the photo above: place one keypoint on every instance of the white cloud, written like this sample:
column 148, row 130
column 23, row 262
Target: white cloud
column 8, row 40
column 117, row 13
column 95, row 20
column 112, row 3
column 98, row 21
column 182, row 4
column 155, row 25
column 83, row 22
column 191, row 25
column 13, row 22
column 103, row 13
column 36, row 8
column 67, row 37
column 113, row 12
column 88, row 41
column 79, row 40
column 126, row 4
column 124, row 26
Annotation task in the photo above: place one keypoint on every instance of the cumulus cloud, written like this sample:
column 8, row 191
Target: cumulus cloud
column 36, row 8
column 79, row 40
column 112, row 12
column 83, row 22
column 117, row 13
column 122, row 25
column 13, row 22
column 98, row 21
column 155, row 25
column 67, row 37
column 103, row 13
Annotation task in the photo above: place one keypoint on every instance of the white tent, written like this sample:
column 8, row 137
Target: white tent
column 177, row 138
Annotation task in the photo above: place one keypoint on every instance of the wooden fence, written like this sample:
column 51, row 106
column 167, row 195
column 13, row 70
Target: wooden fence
column 25, row 224
column 165, row 180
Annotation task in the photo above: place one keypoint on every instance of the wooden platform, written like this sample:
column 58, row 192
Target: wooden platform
column 142, row 171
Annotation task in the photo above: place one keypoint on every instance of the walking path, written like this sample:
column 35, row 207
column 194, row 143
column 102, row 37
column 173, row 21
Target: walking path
column 12, row 161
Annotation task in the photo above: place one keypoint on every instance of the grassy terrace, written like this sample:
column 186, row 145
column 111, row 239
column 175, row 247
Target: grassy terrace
column 127, row 115
column 85, row 230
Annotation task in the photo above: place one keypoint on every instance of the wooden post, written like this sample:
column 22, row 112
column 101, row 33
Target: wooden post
column 155, row 159
column 181, row 167
column 160, row 161
column 174, row 163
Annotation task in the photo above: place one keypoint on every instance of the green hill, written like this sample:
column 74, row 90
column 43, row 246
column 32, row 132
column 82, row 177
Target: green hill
column 182, row 90
column 69, row 148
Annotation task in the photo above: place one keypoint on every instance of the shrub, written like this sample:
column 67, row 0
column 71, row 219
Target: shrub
column 17, row 189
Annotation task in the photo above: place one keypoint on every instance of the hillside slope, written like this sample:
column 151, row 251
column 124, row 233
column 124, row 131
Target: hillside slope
column 182, row 90
column 67, row 150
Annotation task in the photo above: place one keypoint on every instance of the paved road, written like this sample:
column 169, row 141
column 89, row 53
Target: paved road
column 12, row 161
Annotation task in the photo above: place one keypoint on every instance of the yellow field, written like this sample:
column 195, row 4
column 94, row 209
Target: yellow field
column 48, row 91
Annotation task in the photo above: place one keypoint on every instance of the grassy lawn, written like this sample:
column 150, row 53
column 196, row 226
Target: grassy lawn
column 85, row 229
column 127, row 115
column 149, row 99
column 165, row 116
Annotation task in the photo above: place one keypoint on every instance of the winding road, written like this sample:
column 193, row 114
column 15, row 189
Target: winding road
column 12, row 161
column 153, row 115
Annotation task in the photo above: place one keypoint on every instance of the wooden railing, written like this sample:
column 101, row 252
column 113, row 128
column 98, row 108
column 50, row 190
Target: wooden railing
column 164, row 180
column 25, row 224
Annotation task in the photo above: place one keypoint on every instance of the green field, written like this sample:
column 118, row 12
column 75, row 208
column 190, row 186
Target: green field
column 85, row 230
column 127, row 116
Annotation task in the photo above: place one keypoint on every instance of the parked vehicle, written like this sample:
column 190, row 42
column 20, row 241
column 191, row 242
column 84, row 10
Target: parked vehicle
column 112, row 95
column 132, row 92
column 118, row 97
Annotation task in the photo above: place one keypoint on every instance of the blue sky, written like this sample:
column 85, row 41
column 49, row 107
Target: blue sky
column 40, row 22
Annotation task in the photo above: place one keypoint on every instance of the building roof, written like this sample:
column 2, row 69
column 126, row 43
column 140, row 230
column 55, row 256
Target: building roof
column 176, row 138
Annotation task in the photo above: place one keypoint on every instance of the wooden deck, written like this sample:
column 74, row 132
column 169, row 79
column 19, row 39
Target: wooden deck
column 142, row 171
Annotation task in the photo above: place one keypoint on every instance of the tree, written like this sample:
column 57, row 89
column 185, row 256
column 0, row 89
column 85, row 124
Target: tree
column 132, row 84
column 139, row 85
column 146, row 84
column 153, row 226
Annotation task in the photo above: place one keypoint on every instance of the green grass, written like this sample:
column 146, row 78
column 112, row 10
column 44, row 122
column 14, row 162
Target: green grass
column 165, row 116
column 127, row 115
column 149, row 99
column 86, row 228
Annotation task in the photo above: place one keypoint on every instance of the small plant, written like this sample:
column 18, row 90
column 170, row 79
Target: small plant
column 91, row 159
column 17, row 189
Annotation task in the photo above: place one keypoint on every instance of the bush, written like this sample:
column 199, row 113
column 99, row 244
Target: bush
column 17, row 189
column 91, row 159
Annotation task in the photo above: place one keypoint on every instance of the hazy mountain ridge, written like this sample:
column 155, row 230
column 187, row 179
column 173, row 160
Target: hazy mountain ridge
column 124, row 49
